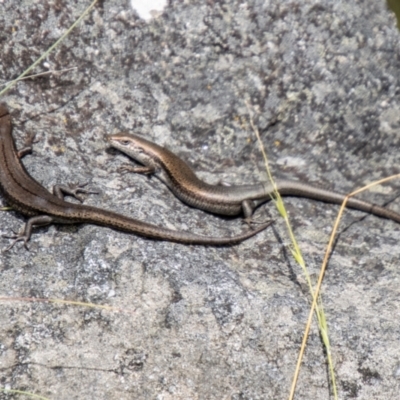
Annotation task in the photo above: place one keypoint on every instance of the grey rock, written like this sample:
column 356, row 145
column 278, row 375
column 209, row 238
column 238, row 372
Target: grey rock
column 188, row 322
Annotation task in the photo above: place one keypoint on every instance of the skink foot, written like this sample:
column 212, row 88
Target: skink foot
column 17, row 238
column 73, row 189
column 251, row 223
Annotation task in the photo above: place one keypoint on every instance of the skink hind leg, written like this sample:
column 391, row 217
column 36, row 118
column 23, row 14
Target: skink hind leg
column 41, row 220
column 73, row 189
column 248, row 207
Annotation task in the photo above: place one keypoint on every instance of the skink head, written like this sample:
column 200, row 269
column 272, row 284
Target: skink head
column 128, row 143
column 159, row 160
column 135, row 147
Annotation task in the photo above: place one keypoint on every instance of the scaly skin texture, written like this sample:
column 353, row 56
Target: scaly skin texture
column 30, row 198
column 218, row 199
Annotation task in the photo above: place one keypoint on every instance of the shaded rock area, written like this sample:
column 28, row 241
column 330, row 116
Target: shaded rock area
column 195, row 322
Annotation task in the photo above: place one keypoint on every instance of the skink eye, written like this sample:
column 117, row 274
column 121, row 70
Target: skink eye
column 125, row 142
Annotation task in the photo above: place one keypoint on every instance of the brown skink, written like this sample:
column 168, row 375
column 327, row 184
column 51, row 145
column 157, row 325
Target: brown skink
column 218, row 199
column 30, row 198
